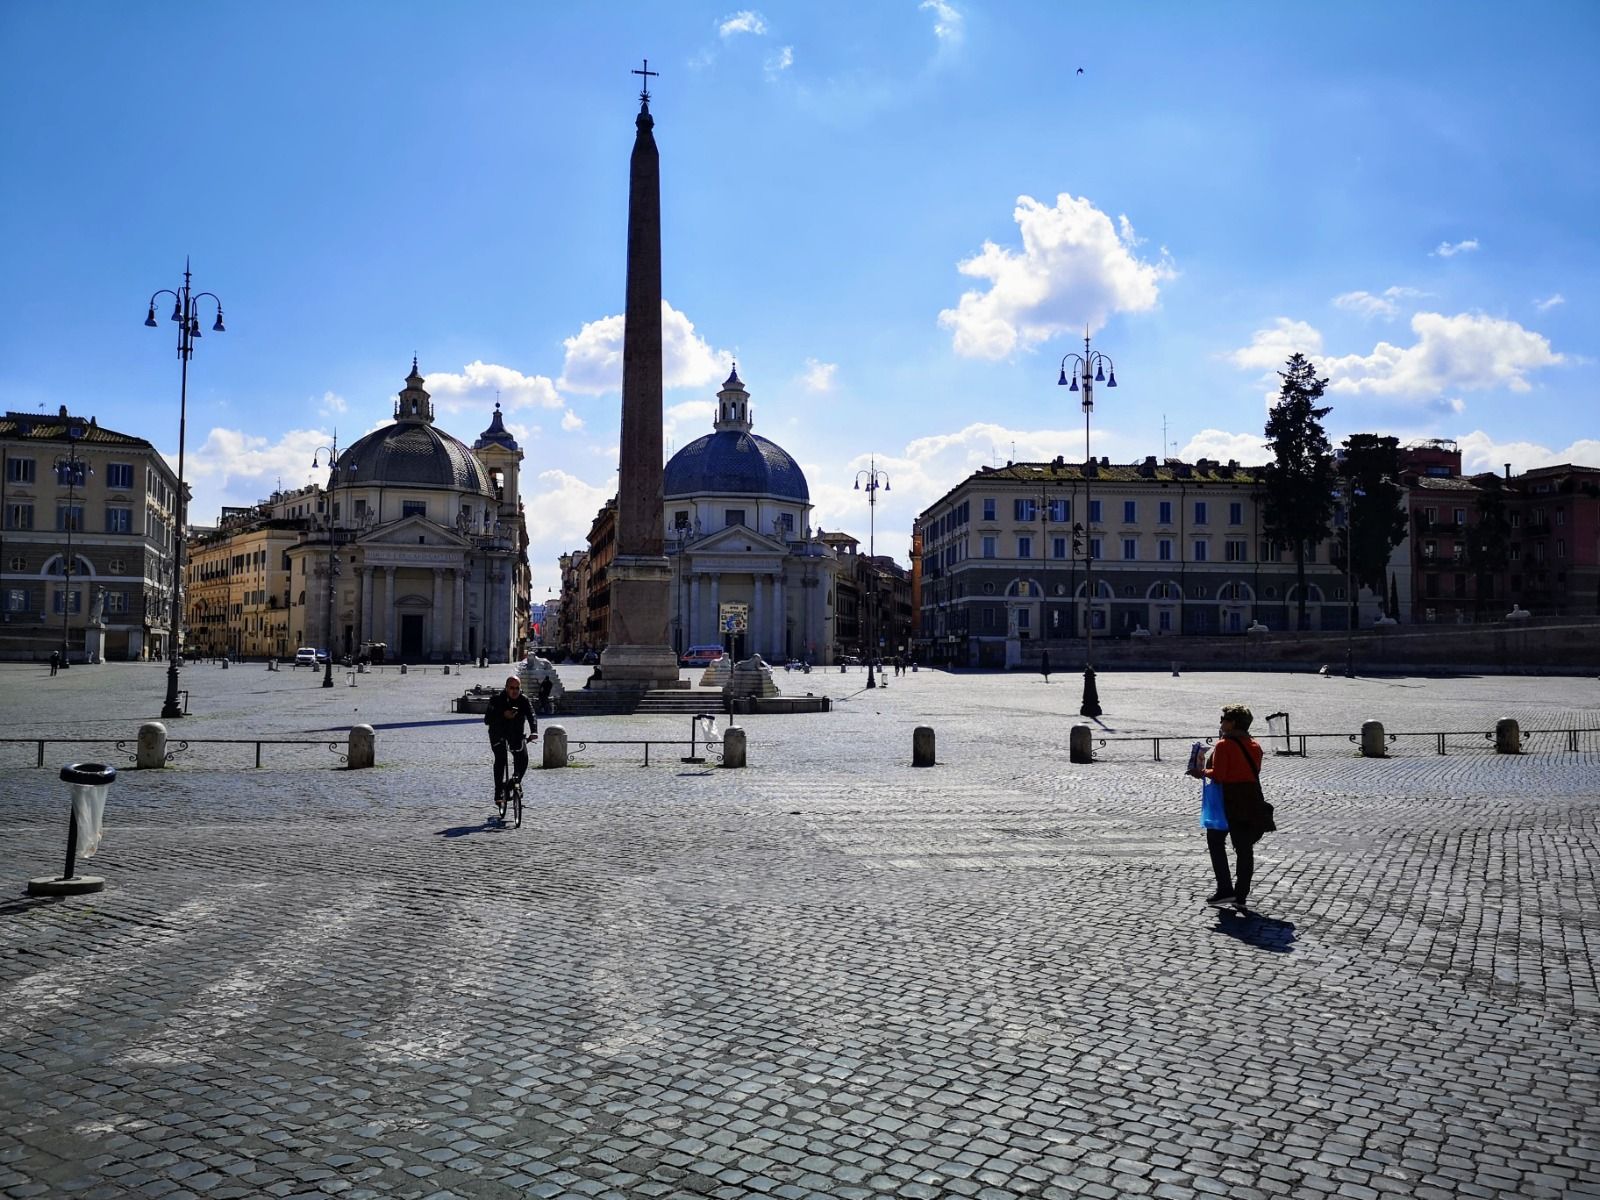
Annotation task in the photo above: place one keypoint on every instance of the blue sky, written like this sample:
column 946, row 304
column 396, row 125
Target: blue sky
column 899, row 216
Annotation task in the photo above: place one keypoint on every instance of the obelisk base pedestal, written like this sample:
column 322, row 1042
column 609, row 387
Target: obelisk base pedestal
column 638, row 658
column 637, row 668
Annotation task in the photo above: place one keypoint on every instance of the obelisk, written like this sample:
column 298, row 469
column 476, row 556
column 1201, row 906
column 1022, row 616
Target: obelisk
column 638, row 655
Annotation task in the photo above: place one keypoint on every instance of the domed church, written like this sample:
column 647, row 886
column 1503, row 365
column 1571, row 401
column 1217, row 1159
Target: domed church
column 748, row 574
column 428, row 540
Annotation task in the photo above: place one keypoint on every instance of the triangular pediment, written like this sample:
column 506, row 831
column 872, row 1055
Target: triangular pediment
column 737, row 539
column 407, row 530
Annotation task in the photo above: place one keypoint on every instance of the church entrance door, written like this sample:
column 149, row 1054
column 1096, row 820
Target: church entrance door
column 411, row 643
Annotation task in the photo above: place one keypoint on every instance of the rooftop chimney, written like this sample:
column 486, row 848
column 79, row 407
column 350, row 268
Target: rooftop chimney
column 1508, row 470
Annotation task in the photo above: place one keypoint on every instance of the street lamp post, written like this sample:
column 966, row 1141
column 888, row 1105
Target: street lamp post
column 327, row 630
column 875, row 479
column 186, row 312
column 73, row 469
column 1082, row 365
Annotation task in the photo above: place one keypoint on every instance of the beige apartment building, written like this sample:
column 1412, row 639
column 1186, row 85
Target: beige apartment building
column 86, row 541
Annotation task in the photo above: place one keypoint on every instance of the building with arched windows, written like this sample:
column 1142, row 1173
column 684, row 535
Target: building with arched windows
column 748, row 572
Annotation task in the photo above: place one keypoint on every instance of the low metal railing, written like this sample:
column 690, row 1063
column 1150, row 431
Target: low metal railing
column 176, row 746
column 1574, row 741
column 702, row 730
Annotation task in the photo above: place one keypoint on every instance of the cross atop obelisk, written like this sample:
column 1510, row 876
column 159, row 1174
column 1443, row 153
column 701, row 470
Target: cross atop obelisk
column 637, row 656
column 644, row 93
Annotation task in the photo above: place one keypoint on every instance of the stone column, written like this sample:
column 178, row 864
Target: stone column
column 690, row 638
column 364, row 605
column 458, row 616
column 781, row 616
column 388, row 612
column 716, row 610
column 436, row 645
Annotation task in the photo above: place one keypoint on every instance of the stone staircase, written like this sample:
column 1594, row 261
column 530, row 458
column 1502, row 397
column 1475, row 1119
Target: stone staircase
column 665, row 701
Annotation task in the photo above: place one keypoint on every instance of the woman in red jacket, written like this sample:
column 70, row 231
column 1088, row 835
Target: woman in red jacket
column 1235, row 763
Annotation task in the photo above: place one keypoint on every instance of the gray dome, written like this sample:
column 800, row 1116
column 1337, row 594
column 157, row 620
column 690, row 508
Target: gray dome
column 414, row 454
column 734, row 462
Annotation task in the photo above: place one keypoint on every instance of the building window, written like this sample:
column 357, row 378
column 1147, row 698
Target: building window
column 1130, row 512
column 1238, row 551
column 990, row 546
column 1023, row 617
column 1058, row 547
column 1165, row 516
column 786, row 522
column 1164, row 620
column 1561, row 548
column 116, row 602
column 1061, row 510
column 413, row 508
column 1561, row 516
column 17, row 562
column 1094, row 511
column 1023, row 510
column 732, row 517
column 1199, row 512
column 1461, row 516
column 1266, row 552
column 119, row 520
column 72, row 473
column 74, row 605
column 1130, row 548
column 1199, row 551
column 19, row 470
column 988, row 509
column 1094, row 548
column 16, row 600
column 69, row 517
column 1164, row 549
column 1516, row 520
column 19, row 516
column 119, row 475
column 1024, row 547
column 117, row 566
column 1235, row 512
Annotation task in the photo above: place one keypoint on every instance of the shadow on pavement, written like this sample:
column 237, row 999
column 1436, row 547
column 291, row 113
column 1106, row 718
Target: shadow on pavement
column 1264, row 933
column 489, row 825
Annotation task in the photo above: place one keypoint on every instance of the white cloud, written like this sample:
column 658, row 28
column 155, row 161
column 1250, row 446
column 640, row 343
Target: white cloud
column 1480, row 452
column 1384, row 305
column 1468, row 351
column 480, row 384
column 1451, row 249
column 560, row 509
column 238, row 469
column 818, row 376
column 1549, row 302
column 571, row 421
column 687, row 420
column 1248, row 449
column 332, row 404
column 1075, row 269
column 780, row 62
column 593, row 363
column 949, row 25
column 1270, row 348
column 743, row 21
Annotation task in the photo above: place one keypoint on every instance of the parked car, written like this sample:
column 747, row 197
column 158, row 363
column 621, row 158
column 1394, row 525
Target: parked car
column 849, row 660
column 322, row 656
column 306, row 656
column 701, row 656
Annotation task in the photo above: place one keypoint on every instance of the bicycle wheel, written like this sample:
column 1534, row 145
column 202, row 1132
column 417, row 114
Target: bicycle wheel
column 516, row 805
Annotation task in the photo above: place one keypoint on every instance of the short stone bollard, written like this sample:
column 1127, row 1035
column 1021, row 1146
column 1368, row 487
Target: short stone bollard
column 402, row 668
column 1080, row 744
column 922, row 746
column 1507, row 736
column 555, row 746
column 1373, row 744
column 152, row 750
column 733, row 747
column 363, row 750
column 1174, row 669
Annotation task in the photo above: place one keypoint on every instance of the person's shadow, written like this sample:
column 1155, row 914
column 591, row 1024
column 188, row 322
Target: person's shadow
column 1265, row 933
column 489, row 825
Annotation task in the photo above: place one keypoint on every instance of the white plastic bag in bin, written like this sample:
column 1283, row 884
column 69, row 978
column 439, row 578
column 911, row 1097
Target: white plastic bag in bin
column 90, row 783
column 708, row 729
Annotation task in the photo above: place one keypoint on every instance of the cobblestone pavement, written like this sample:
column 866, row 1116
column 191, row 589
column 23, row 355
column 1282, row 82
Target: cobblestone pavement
column 827, row 975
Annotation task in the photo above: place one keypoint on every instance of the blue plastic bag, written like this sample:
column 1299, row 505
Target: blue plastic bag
column 1212, row 815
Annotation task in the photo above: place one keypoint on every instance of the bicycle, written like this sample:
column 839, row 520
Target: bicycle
column 509, row 793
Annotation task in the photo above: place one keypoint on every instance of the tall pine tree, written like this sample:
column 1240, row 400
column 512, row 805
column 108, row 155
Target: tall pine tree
column 1377, row 518
column 1298, row 491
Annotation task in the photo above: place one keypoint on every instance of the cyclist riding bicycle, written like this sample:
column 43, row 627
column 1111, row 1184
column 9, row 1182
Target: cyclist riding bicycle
column 507, row 711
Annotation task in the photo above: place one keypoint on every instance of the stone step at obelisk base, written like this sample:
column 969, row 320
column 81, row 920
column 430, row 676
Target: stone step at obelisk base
column 686, row 701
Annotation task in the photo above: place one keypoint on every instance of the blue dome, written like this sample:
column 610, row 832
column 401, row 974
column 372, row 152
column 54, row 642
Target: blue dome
column 734, row 462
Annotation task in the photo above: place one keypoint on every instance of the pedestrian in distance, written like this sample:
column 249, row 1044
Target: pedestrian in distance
column 1235, row 763
column 545, row 688
column 55, row 661
column 1044, row 664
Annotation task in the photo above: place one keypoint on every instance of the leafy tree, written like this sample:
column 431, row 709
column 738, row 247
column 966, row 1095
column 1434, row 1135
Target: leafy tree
column 1377, row 519
column 1298, row 489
